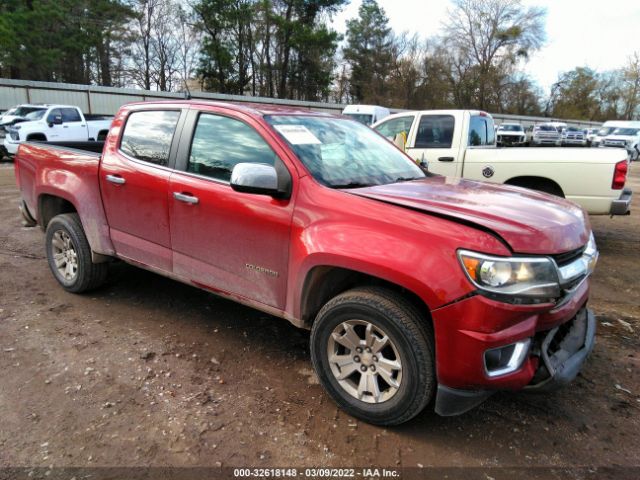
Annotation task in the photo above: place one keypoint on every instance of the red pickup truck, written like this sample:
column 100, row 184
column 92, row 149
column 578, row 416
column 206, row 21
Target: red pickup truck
column 416, row 287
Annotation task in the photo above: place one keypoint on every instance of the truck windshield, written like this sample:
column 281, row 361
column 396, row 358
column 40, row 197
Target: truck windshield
column 510, row 128
column 37, row 115
column 24, row 111
column 547, row 128
column 341, row 153
column 363, row 118
column 626, row 131
column 604, row 131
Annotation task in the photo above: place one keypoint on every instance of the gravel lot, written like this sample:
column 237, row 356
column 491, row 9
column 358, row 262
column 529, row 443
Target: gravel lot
column 150, row 372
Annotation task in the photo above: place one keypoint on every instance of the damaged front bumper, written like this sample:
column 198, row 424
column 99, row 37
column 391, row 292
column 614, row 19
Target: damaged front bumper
column 558, row 355
column 563, row 351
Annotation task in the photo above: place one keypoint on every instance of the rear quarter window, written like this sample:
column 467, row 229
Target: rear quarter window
column 481, row 131
column 147, row 135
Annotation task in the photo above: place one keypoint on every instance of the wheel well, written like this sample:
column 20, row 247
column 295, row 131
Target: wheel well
column 49, row 206
column 324, row 282
column 540, row 184
column 102, row 135
column 36, row 137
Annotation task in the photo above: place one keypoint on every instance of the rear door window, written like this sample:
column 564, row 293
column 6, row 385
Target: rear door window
column 70, row 115
column 435, row 131
column 147, row 135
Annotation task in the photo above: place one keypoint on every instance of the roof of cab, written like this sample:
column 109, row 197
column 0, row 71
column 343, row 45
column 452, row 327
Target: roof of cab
column 257, row 109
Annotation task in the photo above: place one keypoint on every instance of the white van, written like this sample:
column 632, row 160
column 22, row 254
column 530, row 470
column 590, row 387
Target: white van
column 366, row 114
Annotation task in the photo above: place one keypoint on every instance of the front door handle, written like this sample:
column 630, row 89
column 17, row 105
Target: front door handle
column 117, row 179
column 186, row 198
column 446, row 159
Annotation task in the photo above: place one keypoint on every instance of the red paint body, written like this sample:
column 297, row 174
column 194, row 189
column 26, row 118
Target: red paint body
column 406, row 234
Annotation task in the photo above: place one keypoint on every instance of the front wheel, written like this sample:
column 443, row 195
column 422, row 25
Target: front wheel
column 69, row 255
column 374, row 354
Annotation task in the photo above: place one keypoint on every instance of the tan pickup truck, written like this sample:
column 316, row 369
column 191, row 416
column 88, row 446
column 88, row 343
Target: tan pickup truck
column 461, row 143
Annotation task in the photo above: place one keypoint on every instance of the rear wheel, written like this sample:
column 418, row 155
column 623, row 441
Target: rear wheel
column 373, row 353
column 69, row 255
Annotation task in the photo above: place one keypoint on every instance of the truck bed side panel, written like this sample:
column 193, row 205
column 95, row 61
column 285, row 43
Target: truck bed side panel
column 71, row 175
column 584, row 175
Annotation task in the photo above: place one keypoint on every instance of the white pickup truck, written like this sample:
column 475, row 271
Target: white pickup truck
column 461, row 143
column 56, row 123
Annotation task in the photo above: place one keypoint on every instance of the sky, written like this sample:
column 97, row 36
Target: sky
column 600, row 35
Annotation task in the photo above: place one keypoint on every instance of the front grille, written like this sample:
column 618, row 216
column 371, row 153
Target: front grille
column 566, row 258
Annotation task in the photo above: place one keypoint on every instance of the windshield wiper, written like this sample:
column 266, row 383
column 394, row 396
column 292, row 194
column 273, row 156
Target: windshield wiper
column 351, row 185
column 406, row 179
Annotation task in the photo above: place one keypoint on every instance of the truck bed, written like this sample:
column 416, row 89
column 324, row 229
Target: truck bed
column 69, row 171
column 84, row 147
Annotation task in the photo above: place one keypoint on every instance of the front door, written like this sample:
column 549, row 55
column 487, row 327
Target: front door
column 72, row 129
column 134, row 181
column 236, row 243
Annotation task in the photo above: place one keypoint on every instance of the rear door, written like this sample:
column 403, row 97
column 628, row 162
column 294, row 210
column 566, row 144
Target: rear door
column 134, row 181
column 224, row 240
column 436, row 140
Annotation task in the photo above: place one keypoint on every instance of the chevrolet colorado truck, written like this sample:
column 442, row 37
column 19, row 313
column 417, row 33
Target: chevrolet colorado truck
column 461, row 143
column 58, row 123
column 417, row 288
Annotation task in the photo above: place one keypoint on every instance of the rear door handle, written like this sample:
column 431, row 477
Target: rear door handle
column 186, row 198
column 446, row 159
column 117, row 179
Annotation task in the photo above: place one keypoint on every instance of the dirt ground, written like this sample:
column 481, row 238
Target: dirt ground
column 150, row 372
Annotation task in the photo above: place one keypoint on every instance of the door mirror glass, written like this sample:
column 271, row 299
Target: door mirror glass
column 256, row 178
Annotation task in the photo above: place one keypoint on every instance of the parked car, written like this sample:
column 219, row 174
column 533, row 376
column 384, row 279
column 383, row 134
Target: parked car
column 627, row 138
column 366, row 114
column 463, row 288
column 607, row 128
column 510, row 134
column 591, row 134
column 460, row 143
column 560, row 126
column 56, row 123
column 18, row 113
column 574, row 136
column 546, row 134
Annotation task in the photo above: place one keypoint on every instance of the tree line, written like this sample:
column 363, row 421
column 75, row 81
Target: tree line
column 290, row 49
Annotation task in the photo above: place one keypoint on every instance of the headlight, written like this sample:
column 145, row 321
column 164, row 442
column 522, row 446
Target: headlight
column 527, row 277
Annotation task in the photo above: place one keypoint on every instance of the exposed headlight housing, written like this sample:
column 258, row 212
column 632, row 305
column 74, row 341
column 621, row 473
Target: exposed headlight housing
column 527, row 279
column 523, row 277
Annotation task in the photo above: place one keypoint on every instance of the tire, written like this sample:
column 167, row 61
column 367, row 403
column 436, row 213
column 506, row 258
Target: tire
column 65, row 235
column 410, row 342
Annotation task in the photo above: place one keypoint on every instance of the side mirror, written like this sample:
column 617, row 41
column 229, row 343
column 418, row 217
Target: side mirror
column 56, row 120
column 258, row 178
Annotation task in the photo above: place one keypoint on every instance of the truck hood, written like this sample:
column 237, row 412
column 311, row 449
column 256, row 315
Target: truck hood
column 620, row 137
column 530, row 222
